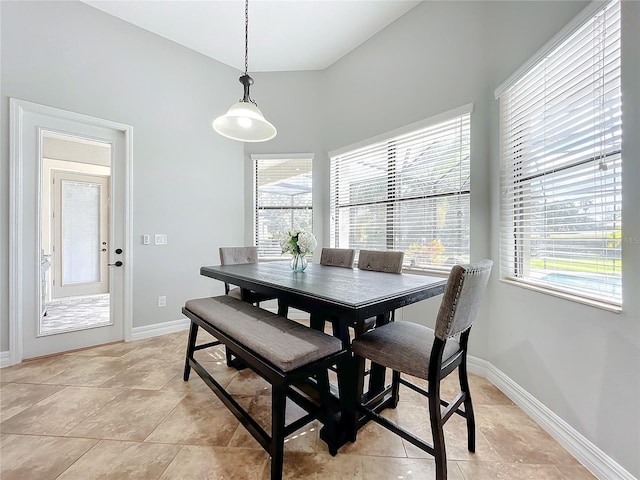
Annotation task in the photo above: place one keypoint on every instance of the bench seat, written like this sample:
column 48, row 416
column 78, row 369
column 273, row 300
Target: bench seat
column 282, row 351
column 284, row 343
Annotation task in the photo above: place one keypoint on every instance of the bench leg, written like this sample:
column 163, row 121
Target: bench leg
column 278, row 407
column 191, row 344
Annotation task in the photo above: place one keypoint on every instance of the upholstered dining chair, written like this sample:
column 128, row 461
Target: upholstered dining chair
column 235, row 256
column 241, row 255
column 411, row 349
column 338, row 257
column 380, row 261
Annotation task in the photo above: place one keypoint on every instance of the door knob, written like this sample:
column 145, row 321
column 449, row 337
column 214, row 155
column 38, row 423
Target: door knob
column 118, row 251
column 117, row 264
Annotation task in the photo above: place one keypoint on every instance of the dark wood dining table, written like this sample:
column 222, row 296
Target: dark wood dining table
column 345, row 297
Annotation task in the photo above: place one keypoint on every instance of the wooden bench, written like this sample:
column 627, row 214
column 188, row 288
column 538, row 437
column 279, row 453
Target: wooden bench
column 281, row 351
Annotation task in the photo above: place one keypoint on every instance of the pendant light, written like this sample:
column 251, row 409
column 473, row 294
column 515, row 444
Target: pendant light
column 244, row 120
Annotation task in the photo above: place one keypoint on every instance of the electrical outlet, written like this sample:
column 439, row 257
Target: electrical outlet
column 160, row 238
column 162, row 301
column 146, row 239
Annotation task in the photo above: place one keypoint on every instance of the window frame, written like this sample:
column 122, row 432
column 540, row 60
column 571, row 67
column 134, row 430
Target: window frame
column 393, row 198
column 255, row 159
column 513, row 233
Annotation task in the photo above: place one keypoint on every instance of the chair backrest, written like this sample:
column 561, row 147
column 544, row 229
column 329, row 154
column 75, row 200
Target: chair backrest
column 462, row 296
column 238, row 255
column 338, row 257
column 379, row 261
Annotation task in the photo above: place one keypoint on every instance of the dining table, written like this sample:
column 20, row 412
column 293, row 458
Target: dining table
column 346, row 298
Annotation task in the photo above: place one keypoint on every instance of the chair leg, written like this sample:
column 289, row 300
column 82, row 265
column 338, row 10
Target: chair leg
column 468, row 406
column 191, row 344
column 435, row 416
column 278, row 406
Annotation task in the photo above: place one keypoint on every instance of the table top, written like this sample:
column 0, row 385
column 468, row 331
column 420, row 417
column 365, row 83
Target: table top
column 359, row 293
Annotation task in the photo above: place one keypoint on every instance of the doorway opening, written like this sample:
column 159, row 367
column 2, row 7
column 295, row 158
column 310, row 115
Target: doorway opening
column 75, row 217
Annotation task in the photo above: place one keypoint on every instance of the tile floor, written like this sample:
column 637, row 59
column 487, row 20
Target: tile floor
column 122, row 411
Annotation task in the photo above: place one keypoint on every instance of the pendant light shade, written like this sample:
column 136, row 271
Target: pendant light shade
column 244, row 121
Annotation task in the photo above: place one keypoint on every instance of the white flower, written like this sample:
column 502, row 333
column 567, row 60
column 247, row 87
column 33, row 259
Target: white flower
column 298, row 242
column 306, row 242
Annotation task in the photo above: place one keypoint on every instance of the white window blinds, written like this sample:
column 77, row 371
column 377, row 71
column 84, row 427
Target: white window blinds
column 409, row 193
column 283, row 200
column 561, row 178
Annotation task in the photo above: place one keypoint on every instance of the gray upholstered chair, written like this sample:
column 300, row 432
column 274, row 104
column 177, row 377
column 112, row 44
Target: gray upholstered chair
column 241, row 255
column 381, row 261
column 409, row 348
column 337, row 257
column 235, row 256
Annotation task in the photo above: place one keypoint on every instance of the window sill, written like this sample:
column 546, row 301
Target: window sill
column 567, row 296
column 427, row 272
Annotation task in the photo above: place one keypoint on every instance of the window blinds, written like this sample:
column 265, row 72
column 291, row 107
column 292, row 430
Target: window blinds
column 283, row 200
column 408, row 193
column 561, row 130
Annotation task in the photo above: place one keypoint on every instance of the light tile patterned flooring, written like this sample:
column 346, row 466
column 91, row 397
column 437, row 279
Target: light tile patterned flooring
column 122, row 411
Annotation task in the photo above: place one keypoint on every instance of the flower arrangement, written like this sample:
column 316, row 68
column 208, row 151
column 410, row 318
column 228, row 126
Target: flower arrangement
column 298, row 242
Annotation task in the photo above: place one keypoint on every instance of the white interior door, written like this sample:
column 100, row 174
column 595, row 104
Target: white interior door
column 29, row 124
column 80, row 219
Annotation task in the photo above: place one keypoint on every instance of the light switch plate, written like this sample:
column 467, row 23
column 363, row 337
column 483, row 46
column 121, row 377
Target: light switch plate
column 160, row 238
column 146, row 239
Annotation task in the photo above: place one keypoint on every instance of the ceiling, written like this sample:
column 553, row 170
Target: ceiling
column 284, row 35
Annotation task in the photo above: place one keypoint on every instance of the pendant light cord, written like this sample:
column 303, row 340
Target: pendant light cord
column 245, row 79
column 246, row 37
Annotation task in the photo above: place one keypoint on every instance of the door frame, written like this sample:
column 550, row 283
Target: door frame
column 18, row 109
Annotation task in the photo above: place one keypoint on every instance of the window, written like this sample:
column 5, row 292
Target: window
column 283, row 199
column 561, row 130
column 408, row 191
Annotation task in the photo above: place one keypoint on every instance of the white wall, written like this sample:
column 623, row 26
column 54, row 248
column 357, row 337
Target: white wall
column 580, row 362
column 188, row 181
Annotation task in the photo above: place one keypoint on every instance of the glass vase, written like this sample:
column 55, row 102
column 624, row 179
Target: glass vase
column 298, row 263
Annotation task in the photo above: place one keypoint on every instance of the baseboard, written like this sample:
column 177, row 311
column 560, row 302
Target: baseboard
column 589, row 455
column 157, row 329
column 5, row 359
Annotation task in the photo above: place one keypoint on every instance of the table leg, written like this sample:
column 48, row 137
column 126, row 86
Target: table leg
column 283, row 308
column 316, row 321
column 345, row 427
